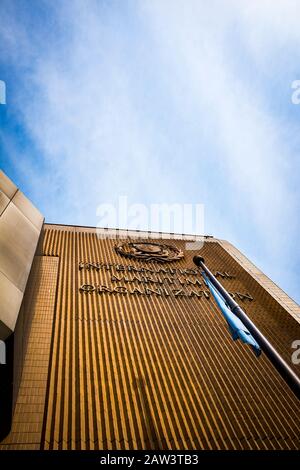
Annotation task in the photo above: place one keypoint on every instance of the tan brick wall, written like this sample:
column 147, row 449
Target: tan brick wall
column 30, row 403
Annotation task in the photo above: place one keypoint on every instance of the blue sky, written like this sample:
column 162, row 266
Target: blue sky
column 164, row 102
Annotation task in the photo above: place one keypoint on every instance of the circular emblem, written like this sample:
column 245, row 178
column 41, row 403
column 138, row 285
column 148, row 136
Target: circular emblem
column 149, row 251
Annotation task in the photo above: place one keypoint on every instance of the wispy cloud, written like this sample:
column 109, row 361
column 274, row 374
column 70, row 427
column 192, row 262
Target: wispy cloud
column 163, row 101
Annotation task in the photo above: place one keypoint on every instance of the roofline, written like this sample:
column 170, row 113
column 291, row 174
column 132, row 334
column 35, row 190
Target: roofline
column 140, row 232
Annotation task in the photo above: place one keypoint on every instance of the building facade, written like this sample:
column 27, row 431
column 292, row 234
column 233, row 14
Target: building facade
column 116, row 343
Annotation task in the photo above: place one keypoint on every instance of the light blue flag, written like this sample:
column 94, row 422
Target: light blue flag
column 235, row 325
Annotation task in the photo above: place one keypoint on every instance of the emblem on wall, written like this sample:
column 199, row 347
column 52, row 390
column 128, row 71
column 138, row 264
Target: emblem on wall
column 149, row 251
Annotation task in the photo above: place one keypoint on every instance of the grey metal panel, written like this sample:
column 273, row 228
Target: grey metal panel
column 7, row 186
column 18, row 241
column 28, row 209
column 10, row 302
column 20, row 227
column 4, row 201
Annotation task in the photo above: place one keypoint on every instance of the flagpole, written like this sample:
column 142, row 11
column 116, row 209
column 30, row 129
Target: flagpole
column 279, row 363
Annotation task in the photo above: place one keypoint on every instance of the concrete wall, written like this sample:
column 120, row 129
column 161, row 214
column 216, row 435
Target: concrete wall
column 20, row 228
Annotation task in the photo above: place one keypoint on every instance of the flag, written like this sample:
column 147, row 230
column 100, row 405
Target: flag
column 235, row 325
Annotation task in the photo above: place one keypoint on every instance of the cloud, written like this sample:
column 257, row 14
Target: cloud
column 163, row 101
column 256, row 161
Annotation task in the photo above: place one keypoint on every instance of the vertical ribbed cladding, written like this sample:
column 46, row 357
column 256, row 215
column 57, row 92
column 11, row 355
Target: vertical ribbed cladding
column 271, row 317
column 61, row 385
column 150, row 372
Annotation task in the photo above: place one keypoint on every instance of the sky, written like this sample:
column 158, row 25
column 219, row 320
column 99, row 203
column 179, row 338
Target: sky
column 161, row 102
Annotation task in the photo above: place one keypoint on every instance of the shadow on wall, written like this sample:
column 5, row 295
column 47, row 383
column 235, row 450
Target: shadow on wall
column 150, row 431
